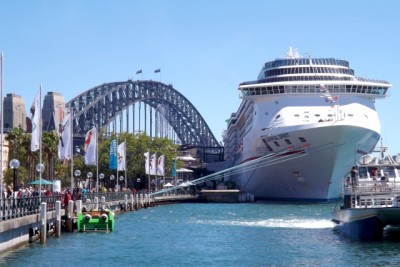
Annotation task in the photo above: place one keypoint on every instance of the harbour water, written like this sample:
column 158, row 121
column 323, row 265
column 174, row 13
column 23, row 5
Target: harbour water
column 257, row 234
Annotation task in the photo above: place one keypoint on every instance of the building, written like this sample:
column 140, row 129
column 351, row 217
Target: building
column 14, row 112
column 53, row 111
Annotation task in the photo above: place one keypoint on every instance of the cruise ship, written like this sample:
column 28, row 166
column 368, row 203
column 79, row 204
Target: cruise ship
column 305, row 122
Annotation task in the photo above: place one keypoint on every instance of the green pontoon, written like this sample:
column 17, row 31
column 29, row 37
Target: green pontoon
column 96, row 220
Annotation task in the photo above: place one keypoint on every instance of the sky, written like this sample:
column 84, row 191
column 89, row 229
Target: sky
column 205, row 49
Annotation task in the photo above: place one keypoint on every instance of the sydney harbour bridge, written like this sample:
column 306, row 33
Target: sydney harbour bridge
column 152, row 107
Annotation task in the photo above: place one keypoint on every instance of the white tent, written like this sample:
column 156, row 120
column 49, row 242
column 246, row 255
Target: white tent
column 186, row 158
column 168, row 185
column 183, row 170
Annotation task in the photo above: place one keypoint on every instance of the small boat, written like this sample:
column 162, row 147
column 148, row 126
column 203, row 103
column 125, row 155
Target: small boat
column 372, row 202
column 96, row 220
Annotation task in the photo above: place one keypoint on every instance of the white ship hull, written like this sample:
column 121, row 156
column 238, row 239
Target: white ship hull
column 315, row 175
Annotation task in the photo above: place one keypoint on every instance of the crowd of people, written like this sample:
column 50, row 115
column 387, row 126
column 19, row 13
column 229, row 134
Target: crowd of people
column 24, row 191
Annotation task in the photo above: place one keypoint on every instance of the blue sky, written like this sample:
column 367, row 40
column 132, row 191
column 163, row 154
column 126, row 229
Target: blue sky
column 203, row 48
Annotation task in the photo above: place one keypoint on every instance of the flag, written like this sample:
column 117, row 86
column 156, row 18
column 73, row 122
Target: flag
column 153, row 164
column 174, row 167
column 139, row 71
column 35, row 111
column 160, row 165
column 91, row 147
column 122, row 157
column 112, row 165
column 327, row 95
column 65, row 142
column 147, row 163
column 157, row 70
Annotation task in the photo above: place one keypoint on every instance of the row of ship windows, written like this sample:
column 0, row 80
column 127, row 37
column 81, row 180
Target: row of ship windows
column 310, row 78
column 361, row 89
column 306, row 61
column 284, row 71
column 287, row 141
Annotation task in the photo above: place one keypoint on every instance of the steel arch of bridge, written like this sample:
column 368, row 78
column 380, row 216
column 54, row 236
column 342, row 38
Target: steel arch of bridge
column 99, row 106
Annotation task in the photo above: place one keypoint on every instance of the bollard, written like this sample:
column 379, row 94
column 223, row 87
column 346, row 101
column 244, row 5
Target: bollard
column 126, row 202
column 43, row 222
column 58, row 218
column 137, row 201
column 141, row 201
column 132, row 202
column 103, row 201
column 88, row 205
column 96, row 203
column 78, row 206
column 70, row 216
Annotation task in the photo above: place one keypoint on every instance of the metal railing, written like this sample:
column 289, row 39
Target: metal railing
column 16, row 207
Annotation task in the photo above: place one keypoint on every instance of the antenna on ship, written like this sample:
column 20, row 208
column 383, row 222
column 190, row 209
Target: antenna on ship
column 292, row 54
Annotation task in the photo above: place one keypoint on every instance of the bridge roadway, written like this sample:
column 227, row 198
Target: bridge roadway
column 19, row 215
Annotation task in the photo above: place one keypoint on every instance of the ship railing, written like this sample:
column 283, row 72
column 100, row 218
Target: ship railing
column 375, row 201
column 372, row 187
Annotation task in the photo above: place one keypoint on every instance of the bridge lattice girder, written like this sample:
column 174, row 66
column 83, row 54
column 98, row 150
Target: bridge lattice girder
column 102, row 104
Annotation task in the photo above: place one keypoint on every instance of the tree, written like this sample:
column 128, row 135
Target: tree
column 50, row 149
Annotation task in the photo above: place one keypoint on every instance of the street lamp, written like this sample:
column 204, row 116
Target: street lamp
column 89, row 175
column 101, row 177
column 77, row 173
column 112, row 177
column 14, row 164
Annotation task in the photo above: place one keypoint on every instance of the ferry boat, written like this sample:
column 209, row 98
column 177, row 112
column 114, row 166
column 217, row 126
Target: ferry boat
column 372, row 203
column 309, row 120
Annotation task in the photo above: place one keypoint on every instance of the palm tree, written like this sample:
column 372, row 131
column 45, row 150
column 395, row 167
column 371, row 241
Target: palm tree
column 50, row 148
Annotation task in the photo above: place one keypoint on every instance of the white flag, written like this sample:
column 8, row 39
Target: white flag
column 121, row 157
column 160, row 165
column 91, row 147
column 35, row 111
column 153, row 165
column 147, row 163
column 65, row 142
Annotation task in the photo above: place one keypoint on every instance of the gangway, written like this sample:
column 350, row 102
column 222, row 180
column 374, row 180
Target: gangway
column 266, row 160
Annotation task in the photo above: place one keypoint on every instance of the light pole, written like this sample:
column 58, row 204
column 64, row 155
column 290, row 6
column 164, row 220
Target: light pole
column 40, row 170
column 101, row 177
column 112, row 177
column 121, row 178
column 14, row 164
column 77, row 173
column 89, row 175
column 138, row 183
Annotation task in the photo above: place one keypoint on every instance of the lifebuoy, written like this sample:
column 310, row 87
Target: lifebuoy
column 104, row 217
column 88, row 217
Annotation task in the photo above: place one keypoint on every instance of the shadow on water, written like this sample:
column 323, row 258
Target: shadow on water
column 391, row 234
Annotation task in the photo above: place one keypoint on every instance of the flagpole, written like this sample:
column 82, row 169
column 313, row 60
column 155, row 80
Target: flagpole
column 71, row 145
column 156, row 171
column 2, row 124
column 125, row 161
column 117, row 178
column 40, row 141
column 148, row 175
column 97, row 161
